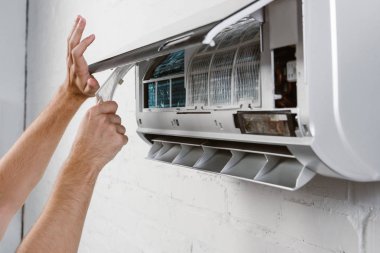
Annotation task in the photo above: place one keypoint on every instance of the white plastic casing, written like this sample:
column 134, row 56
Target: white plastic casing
column 336, row 69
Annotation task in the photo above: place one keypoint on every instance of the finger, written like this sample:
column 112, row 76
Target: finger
column 77, row 33
column 125, row 139
column 115, row 119
column 107, row 107
column 71, row 33
column 91, row 87
column 120, row 129
column 77, row 54
column 79, row 49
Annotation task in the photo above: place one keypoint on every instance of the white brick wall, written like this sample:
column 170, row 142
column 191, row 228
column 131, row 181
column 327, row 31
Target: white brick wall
column 145, row 206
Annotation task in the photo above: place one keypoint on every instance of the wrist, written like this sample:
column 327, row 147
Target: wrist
column 81, row 169
column 71, row 98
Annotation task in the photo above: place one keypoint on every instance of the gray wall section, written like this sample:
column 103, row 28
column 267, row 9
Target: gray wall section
column 146, row 206
column 12, row 62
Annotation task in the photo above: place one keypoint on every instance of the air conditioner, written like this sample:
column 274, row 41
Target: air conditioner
column 275, row 93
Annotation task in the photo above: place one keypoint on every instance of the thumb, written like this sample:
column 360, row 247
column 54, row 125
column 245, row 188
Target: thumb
column 91, row 87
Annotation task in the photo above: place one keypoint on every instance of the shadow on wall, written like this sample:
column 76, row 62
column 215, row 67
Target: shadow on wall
column 366, row 194
column 328, row 213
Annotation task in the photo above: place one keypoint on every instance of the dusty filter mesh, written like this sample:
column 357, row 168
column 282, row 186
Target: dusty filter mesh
column 229, row 73
column 164, row 86
column 198, row 90
column 247, row 74
column 220, row 79
column 173, row 64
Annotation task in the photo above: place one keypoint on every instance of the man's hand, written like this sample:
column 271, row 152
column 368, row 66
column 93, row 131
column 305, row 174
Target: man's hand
column 100, row 137
column 79, row 82
column 59, row 227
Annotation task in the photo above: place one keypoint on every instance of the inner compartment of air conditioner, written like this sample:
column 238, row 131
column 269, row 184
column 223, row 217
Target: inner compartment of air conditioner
column 285, row 77
column 261, row 163
column 251, row 65
column 164, row 82
column 221, row 76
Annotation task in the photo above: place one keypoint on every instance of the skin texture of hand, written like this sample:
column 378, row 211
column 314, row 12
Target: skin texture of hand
column 78, row 81
column 22, row 167
column 59, row 228
column 100, row 137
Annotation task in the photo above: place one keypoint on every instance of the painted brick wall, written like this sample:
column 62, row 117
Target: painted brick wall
column 144, row 206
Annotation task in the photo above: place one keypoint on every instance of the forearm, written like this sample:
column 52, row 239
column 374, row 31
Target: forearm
column 100, row 138
column 23, row 166
column 60, row 226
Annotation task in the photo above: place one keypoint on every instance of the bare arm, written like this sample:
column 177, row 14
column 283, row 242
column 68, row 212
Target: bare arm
column 23, row 166
column 60, row 226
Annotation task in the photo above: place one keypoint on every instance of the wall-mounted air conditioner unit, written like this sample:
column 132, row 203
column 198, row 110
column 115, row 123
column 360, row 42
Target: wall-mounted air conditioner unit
column 274, row 93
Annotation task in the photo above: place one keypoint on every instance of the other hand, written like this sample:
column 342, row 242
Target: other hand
column 100, row 137
column 79, row 82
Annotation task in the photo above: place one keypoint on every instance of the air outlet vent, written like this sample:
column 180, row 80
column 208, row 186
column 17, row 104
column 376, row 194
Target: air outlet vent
column 264, row 164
